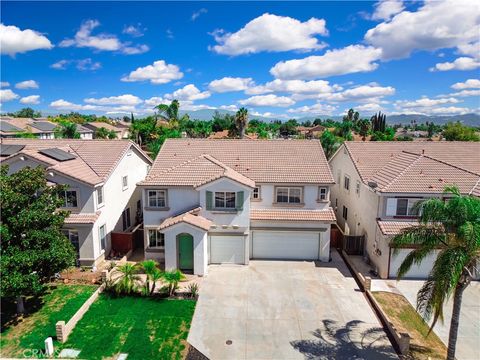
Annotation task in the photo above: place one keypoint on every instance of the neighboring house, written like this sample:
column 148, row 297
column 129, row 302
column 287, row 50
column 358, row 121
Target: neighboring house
column 102, row 194
column 411, row 133
column 311, row 132
column 378, row 184
column 228, row 201
column 121, row 131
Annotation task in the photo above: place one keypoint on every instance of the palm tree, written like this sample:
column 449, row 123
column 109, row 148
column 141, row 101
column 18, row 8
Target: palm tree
column 241, row 121
column 67, row 130
column 172, row 278
column 125, row 279
column 453, row 227
column 153, row 275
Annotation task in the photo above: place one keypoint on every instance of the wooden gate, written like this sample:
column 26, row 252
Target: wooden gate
column 353, row 245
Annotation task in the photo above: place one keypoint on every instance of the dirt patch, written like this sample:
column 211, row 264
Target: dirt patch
column 81, row 276
column 423, row 346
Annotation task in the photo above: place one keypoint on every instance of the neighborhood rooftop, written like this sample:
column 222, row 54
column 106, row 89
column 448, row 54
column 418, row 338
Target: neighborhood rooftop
column 427, row 167
column 90, row 161
column 263, row 161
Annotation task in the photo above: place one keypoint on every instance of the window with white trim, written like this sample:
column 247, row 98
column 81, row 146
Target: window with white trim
column 322, row 193
column 256, row 193
column 288, row 195
column 346, row 182
column 102, row 234
column 156, row 239
column 345, row 212
column 225, row 199
column 125, row 182
column 157, row 198
column 406, row 207
column 70, row 198
column 100, row 200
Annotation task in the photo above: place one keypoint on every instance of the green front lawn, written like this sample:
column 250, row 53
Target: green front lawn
column 145, row 328
column 28, row 333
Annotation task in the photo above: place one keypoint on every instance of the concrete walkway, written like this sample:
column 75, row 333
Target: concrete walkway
column 286, row 310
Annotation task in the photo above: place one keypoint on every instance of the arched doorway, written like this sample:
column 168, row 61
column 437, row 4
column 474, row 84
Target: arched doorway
column 185, row 252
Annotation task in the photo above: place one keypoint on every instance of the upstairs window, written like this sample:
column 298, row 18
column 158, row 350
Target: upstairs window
column 70, row 198
column 357, row 188
column 346, row 182
column 225, row 200
column 322, row 193
column 345, row 212
column 125, row 182
column 402, row 207
column 100, row 200
column 157, row 198
column 289, row 195
column 256, row 193
column 156, row 239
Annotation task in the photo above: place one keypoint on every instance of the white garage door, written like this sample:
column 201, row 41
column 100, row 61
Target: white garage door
column 227, row 249
column 294, row 245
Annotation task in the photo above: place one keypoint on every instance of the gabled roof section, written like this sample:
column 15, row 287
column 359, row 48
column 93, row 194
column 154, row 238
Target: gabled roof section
column 327, row 215
column 190, row 217
column 427, row 167
column 196, row 172
column 394, row 227
column 263, row 161
column 94, row 160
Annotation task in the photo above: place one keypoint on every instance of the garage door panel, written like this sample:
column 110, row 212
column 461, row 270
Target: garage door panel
column 293, row 245
column 227, row 249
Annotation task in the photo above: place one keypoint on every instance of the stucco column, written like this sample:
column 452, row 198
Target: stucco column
column 170, row 251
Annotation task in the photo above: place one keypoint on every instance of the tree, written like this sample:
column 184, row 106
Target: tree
column 170, row 112
column 103, row 133
column 33, row 248
column 379, row 122
column 27, row 113
column 329, row 143
column 153, row 274
column 458, row 132
column 67, row 130
column 241, row 121
column 363, row 128
column 288, row 128
column 453, row 227
column 125, row 279
column 172, row 278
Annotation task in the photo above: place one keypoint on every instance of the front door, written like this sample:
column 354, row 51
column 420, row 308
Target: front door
column 185, row 252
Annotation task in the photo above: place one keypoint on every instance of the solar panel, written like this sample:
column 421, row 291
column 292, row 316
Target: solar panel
column 5, row 126
column 44, row 125
column 57, row 154
column 7, row 150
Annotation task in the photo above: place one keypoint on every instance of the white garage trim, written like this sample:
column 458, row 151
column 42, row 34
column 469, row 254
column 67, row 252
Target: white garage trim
column 286, row 245
column 227, row 249
column 417, row 271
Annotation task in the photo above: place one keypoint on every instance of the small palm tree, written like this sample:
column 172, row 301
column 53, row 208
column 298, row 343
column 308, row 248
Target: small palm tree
column 126, row 279
column 172, row 278
column 453, row 227
column 153, row 274
column 67, row 130
column 241, row 121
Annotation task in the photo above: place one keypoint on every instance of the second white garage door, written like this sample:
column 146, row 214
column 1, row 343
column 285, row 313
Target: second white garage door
column 227, row 250
column 294, row 245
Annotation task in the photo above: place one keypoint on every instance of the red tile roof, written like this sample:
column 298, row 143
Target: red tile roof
column 83, row 218
column 190, row 217
column 327, row 215
column 394, row 227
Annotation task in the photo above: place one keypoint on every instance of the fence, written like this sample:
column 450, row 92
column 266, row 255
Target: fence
column 353, row 245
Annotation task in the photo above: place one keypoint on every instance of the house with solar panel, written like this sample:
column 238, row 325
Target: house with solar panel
column 102, row 197
column 41, row 128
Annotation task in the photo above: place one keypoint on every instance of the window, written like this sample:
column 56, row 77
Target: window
column 256, row 193
column 126, row 219
column 322, row 193
column 125, row 182
column 157, row 198
column 224, row 200
column 405, row 207
column 346, row 182
column 102, row 234
column 357, row 188
column 289, row 195
column 339, row 177
column 99, row 192
column 345, row 212
column 69, row 198
column 156, row 239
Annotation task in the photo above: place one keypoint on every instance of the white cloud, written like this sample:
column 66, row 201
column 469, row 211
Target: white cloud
column 134, row 30
column 228, row 84
column 60, row 65
column 4, row 84
column 158, row 73
column 385, row 9
column 101, row 42
column 426, row 105
column 270, row 32
column 88, row 65
column 27, row 84
column 268, row 114
column 268, row 100
column 468, row 84
column 317, row 108
column 154, row 101
column 351, row 59
column 126, row 99
column 62, row 104
column 471, row 49
column 13, row 40
column 451, row 110
column 294, row 87
column 196, row 14
column 30, row 100
column 461, row 63
column 7, row 95
column 368, row 108
column 466, row 93
column 363, row 92
column 435, row 25
column 188, row 93
column 229, row 107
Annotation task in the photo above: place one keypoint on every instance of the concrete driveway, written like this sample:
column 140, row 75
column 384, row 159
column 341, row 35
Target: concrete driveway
column 469, row 329
column 286, row 310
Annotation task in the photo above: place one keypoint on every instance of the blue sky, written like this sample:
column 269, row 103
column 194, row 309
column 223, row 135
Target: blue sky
column 277, row 59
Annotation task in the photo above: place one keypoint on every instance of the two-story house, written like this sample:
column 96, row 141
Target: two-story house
column 378, row 184
column 101, row 175
column 40, row 128
column 228, row 201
